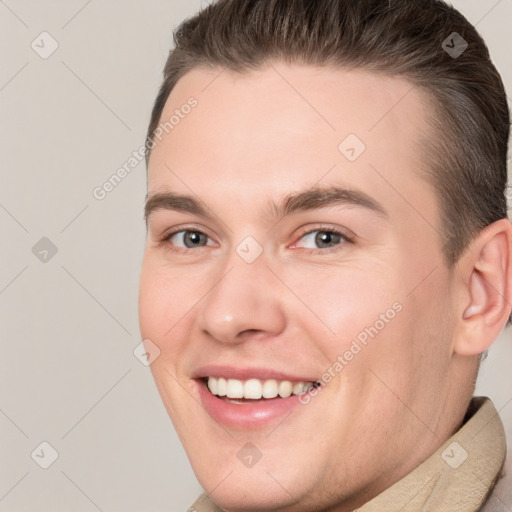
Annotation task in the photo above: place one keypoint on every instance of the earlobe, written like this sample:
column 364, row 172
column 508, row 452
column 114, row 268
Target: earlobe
column 486, row 272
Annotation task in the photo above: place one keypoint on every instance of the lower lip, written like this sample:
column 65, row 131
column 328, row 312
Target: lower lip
column 247, row 415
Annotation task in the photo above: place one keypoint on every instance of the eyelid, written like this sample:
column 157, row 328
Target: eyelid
column 164, row 240
column 347, row 234
column 170, row 232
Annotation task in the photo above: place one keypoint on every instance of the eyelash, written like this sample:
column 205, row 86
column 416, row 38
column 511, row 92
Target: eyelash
column 326, row 229
column 164, row 242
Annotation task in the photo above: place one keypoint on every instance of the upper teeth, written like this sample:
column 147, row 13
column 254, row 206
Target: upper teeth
column 255, row 388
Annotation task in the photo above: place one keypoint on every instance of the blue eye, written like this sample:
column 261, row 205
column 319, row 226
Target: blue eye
column 188, row 239
column 322, row 239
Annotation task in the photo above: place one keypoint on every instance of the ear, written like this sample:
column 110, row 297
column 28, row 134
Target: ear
column 485, row 275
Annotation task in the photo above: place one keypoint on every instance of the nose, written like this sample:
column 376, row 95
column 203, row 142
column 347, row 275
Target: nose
column 244, row 303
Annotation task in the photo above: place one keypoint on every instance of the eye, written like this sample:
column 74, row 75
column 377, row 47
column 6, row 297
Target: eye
column 188, row 239
column 322, row 239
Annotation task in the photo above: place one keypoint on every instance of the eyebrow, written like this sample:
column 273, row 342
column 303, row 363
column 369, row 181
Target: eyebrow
column 312, row 199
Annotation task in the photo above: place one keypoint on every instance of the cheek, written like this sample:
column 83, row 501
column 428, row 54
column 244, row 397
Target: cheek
column 153, row 303
column 165, row 301
column 343, row 302
column 165, row 298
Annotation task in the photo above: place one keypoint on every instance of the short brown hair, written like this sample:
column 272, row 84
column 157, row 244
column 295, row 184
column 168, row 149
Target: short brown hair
column 467, row 157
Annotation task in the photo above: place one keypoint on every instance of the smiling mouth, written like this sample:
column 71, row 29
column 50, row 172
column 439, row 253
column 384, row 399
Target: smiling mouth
column 252, row 390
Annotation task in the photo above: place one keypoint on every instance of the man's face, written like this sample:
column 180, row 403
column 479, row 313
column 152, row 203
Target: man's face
column 341, row 282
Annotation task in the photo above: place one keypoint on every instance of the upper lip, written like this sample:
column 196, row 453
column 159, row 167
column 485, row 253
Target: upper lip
column 239, row 373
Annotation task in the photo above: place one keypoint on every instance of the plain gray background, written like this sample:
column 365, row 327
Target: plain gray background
column 68, row 321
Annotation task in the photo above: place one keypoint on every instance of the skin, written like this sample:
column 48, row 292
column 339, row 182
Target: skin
column 254, row 139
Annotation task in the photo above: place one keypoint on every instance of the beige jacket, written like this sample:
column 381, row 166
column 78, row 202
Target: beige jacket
column 456, row 478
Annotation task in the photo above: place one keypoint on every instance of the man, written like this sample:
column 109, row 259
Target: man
column 328, row 254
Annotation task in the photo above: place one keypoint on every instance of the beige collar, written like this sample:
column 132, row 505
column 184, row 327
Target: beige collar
column 457, row 477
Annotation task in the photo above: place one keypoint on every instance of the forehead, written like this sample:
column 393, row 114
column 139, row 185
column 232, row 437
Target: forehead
column 278, row 129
